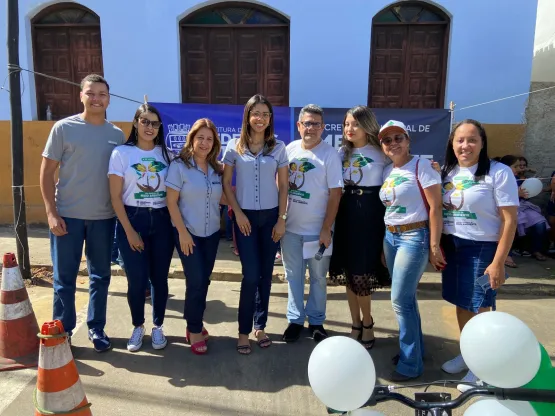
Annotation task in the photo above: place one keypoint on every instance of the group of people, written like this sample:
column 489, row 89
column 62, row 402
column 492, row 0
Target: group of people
column 379, row 214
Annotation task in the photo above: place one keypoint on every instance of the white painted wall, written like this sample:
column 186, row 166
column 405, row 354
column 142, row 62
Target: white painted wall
column 543, row 69
column 490, row 52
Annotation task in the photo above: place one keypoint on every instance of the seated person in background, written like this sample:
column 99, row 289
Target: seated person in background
column 531, row 223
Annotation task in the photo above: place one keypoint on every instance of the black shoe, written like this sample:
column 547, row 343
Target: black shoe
column 293, row 332
column 395, row 360
column 399, row 378
column 318, row 332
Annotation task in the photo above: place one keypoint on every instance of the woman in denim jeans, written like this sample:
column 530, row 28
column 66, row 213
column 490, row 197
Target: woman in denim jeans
column 137, row 175
column 411, row 194
column 259, row 208
column 480, row 202
column 194, row 196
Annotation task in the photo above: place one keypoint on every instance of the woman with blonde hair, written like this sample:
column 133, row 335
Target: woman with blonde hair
column 356, row 259
column 194, row 187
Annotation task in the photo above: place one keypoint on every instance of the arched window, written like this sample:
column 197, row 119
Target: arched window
column 408, row 60
column 66, row 44
column 231, row 51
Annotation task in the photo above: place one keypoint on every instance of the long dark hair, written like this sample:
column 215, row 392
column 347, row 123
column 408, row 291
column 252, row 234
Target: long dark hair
column 483, row 159
column 158, row 140
column 269, row 138
column 366, row 121
column 509, row 160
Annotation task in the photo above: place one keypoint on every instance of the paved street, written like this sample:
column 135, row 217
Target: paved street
column 268, row 382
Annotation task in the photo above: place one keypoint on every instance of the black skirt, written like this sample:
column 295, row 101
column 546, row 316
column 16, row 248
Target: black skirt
column 356, row 260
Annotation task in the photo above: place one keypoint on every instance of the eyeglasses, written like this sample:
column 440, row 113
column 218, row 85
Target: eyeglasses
column 309, row 124
column 387, row 141
column 258, row 114
column 146, row 122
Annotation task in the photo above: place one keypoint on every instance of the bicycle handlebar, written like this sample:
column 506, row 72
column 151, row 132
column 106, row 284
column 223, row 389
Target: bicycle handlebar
column 383, row 393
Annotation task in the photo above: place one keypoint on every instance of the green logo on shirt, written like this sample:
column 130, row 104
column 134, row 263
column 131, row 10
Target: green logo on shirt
column 146, row 173
column 297, row 178
column 453, row 197
column 388, row 193
column 357, row 162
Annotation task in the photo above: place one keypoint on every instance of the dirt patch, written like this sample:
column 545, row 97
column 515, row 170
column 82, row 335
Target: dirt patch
column 40, row 276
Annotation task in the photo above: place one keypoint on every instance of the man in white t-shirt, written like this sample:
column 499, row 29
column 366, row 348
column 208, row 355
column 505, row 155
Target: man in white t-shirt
column 315, row 184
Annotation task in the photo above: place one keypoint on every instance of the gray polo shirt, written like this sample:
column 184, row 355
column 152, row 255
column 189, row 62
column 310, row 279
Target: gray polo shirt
column 83, row 150
column 199, row 196
column 256, row 186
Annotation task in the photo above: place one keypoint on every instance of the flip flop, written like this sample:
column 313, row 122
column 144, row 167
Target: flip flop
column 512, row 265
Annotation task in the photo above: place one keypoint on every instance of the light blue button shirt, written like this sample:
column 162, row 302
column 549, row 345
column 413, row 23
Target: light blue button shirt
column 256, row 186
column 199, row 196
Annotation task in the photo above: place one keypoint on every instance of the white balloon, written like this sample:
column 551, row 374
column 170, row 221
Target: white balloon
column 364, row 412
column 533, row 186
column 500, row 349
column 493, row 407
column 341, row 373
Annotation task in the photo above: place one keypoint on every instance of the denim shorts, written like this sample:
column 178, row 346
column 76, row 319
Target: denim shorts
column 466, row 262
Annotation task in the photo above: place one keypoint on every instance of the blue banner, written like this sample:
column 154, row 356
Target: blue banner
column 428, row 129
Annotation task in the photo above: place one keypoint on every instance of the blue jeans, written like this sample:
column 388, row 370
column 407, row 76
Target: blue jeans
column 152, row 264
column 257, row 253
column 116, row 255
column 538, row 236
column 66, row 254
column 407, row 255
column 295, row 269
column 198, row 267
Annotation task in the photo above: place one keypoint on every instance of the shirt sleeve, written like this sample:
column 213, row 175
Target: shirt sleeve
column 230, row 153
column 281, row 157
column 427, row 175
column 54, row 148
column 505, row 189
column 115, row 167
column 334, row 171
column 174, row 179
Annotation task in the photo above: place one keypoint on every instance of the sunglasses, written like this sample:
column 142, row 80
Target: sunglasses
column 387, row 141
column 146, row 122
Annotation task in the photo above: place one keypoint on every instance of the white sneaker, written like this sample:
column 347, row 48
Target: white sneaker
column 136, row 341
column 159, row 341
column 454, row 366
column 469, row 382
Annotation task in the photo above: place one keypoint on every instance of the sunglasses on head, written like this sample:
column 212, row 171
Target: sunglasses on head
column 146, row 122
column 387, row 140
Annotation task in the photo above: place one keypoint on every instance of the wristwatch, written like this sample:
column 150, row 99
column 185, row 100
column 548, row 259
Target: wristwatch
column 283, row 216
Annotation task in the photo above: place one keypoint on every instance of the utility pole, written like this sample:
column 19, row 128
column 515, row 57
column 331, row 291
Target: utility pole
column 20, row 217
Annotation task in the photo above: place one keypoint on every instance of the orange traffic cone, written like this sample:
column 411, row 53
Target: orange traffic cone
column 59, row 387
column 19, row 346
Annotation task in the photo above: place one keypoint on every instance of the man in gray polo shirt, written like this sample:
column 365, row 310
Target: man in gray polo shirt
column 78, row 206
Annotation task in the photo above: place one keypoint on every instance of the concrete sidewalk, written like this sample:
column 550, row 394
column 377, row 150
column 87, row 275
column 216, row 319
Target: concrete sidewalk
column 532, row 277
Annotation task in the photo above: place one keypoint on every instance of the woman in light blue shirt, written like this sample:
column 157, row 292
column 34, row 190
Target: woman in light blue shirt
column 194, row 192
column 259, row 206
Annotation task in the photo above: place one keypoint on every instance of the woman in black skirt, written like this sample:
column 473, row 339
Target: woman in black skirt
column 356, row 260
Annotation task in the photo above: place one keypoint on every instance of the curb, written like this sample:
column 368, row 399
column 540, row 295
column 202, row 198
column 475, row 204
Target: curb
column 527, row 287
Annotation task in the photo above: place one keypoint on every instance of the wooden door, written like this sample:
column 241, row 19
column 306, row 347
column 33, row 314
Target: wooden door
column 228, row 65
column 69, row 53
column 407, row 66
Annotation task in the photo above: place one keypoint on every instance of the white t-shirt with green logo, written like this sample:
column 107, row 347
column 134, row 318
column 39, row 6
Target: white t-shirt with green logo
column 365, row 167
column 311, row 175
column 144, row 174
column 400, row 193
column 470, row 208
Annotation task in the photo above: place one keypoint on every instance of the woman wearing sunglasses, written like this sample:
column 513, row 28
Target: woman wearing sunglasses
column 411, row 194
column 137, row 176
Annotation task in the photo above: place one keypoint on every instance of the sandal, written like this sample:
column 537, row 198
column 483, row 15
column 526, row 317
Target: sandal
column 198, row 348
column 265, row 341
column 539, row 256
column 205, row 333
column 511, row 263
column 370, row 343
column 244, row 349
column 357, row 328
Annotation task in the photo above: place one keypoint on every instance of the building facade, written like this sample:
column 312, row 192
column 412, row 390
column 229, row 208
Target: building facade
column 405, row 54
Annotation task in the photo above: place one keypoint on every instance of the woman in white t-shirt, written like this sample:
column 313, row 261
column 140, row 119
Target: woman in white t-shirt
column 411, row 193
column 137, row 174
column 356, row 260
column 480, row 202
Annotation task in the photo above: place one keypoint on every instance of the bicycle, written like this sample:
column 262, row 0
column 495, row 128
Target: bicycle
column 424, row 407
